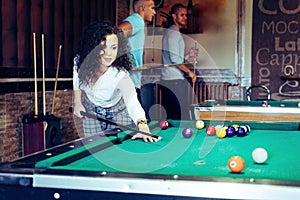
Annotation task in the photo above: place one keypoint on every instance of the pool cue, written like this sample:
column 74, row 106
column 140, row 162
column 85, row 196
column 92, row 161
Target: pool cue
column 157, row 67
column 43, row 68
column 89, row 115
column 45, row 124
column 35, row 76
column 33, row 136
column 193, row 92
column 195, row 59
column 56, row 78
column 194, row 67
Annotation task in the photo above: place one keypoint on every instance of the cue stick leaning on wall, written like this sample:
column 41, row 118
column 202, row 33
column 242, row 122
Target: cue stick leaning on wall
column 36, row 112
column 56, row 78
column 44, row 87
column 43, row 71
column 33, row 137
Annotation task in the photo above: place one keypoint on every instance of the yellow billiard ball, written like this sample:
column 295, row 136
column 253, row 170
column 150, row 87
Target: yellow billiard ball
column 200, row 124
column 221, row 132
column 235, row 126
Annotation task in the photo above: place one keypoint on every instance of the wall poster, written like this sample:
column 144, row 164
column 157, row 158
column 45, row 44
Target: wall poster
column 276, row 47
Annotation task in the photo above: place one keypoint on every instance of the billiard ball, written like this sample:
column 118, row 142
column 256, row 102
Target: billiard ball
column 241, row 131
column 245, row 128
column 248, row 128
column 235, row 126
column 221, row 132
column 259, row 155
column 200, row 124
column 265, row 104
column 230, row 131
column 299, row 105
column 187, row 132
column 211, row 131
column 236, row 164
column 56, row 195
column 164, row 124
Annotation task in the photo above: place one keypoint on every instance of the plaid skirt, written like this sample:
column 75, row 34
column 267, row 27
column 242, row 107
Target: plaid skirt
column 117, row 113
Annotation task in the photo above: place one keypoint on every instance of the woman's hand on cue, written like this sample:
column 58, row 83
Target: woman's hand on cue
column 146, row 138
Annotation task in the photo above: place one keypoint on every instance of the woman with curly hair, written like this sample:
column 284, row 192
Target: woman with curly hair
column 101, row 81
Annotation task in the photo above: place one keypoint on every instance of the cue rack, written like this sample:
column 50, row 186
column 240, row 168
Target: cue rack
column 41, row 130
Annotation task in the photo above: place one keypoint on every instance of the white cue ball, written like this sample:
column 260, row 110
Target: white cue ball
column 56, row 195
column 259, row 155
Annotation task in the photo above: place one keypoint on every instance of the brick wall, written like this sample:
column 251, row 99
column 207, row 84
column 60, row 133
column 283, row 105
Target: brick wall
column 15, row 105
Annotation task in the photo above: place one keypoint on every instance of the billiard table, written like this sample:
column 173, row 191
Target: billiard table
column 237, row 110
column 112, row 166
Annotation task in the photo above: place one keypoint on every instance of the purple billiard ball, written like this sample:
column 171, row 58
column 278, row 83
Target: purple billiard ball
column 230, row 131
column 241, row 131
column 187, row 132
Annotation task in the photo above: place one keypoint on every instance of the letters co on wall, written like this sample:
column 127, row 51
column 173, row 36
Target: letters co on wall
column 276, row 47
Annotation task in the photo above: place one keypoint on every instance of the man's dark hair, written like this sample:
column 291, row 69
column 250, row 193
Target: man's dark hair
column 174, row 10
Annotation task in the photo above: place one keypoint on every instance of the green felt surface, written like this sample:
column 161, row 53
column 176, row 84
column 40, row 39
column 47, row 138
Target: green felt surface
column 200, row 155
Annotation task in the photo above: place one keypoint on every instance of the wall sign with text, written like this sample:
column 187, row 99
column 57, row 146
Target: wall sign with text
column 276, row 47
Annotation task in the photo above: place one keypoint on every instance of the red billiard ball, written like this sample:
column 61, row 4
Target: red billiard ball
column 163, row 124
column 187, row 132
column 236, row 164
column 230, row 131
column 211, row 130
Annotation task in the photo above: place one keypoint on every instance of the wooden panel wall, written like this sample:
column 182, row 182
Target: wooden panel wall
column 61, row 21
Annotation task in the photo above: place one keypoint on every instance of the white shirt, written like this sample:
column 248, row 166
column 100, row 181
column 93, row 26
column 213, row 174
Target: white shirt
column 172, row 53
column 110, row 88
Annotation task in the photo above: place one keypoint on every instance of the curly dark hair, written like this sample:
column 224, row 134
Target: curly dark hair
column 89, row 47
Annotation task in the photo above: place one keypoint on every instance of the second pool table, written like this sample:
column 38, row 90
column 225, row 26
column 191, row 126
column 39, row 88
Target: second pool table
column 236, row 110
